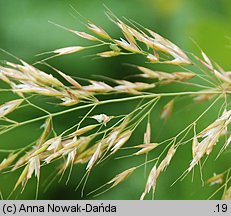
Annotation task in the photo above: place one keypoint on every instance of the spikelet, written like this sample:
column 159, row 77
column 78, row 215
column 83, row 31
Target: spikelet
column 9, row 107
column 84, row 35
column 71, row 156
column 99, row 87
column 22, row 177
column 132, row 88
column 31, row 74
column 220, row 73
column 33, row 166
column 108, row 54
column 166, row 161
column 227, row 143
column 155, row 172
column 33, row 88
column 94, row 157
column 68, row 101
column 78, row 33
column 163, row 76
column 147, row 134
column 194, row 145
column 83, row 130
column 4, row 78
column 207, row 60
column 167, row 110
column 98, row 31
column 204, row 97
column 58, row 148
column 47, row 129
column 112, row 137
column 227, row 195
column 151, row 182
column 40, row 150
column 164, row 45
column 127, row 46
column 121, row 140
column 216, row 179
column 121, row 177
column 126, row 32
column 102, row 118
column 68, row 50
column 210, row 137
column 55, row 144
column 8, row 161
column 145, row 148
column 11, row 73
column 70, row 80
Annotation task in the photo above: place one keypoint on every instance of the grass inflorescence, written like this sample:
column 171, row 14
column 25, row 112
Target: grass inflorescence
column 92, row 144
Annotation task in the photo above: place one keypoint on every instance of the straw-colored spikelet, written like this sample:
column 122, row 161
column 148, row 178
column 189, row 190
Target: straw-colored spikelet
column 151, row 182
column 55, row 144
column 28, row 73
column 121, row 140
column 127, row 46
column 70, row 80
column 132, row 88
column 33, row 88
column 8, row 161
column 33, row 166
column 100, row 87
column 160, row 43
column 4, row 78
column 83, row 34
column 102, row 118
column 108, row 54
column 147, row 146
column 94, row 157
column 121, row 177
column 70, row 156
column 216, row 179
column 166, row 161
column 22, row 177
column 112, row 137
column 227, row 143
column 204, row 97
column 82, row 130
column 68, row 50
column 227, row 195
column 155, row 172
column 195, row 144
column 152, row 58
column 220, row 73
column 207, row 60
column 147, row 134
column 98, row 30
column 210, row 137
column 58, row 148
column 166, row 78
column 167, row 110
column 47, row 129
column 68, row 102
column 9, row 107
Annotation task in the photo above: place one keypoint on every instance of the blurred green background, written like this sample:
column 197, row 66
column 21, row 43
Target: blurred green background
column 25, row 32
